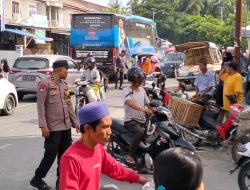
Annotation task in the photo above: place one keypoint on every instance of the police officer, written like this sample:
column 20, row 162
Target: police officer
column 56, row 117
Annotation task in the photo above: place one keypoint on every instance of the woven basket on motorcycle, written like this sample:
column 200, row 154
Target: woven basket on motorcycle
column 185, row 112
column 244, row 123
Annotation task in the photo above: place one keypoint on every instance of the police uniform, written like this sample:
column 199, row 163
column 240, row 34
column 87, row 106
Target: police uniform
column 55, row 111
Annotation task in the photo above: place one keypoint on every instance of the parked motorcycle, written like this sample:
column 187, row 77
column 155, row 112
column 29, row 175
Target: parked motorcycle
column 237, row 143
column 210, row 129
column 244, row 165
column 160, row 135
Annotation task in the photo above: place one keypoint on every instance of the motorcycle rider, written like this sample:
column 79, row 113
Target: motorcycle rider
column 135, row 100
column 91, row 74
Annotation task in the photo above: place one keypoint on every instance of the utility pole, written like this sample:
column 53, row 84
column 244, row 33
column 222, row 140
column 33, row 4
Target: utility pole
column 155, row 11
column 238, row 23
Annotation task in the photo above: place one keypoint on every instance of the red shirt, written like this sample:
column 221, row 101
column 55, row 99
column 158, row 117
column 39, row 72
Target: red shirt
column 81, row 168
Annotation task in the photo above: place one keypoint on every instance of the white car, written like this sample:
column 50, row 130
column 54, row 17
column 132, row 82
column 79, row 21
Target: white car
column 8, row 97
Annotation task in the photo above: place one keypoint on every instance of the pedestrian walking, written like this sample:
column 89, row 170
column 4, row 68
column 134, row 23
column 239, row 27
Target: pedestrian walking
column 82, row 164
column 120, row 65
column 56, row 117
column 6, row 68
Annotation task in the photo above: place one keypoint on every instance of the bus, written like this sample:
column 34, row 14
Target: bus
column 105, row 35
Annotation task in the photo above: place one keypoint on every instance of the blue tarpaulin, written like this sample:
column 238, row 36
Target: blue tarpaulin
column 27, row 34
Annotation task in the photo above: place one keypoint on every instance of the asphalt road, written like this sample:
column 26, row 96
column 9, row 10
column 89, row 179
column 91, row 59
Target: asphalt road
column 21, row 149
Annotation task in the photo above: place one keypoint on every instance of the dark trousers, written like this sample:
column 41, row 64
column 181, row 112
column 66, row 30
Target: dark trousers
column 55, row 145
column 219, row 94
column 119, row 75
column 138, row 130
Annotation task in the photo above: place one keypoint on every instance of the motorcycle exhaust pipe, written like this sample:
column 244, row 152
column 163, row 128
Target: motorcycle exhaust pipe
column 189, row 132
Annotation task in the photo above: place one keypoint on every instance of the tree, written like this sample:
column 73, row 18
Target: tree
column 116, row 7
column 193, row 7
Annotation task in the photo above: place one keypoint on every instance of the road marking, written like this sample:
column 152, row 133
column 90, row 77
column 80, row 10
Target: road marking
column 5, row 146
column 30, row 104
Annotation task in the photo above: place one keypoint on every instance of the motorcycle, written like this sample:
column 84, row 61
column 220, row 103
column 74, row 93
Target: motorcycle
column 209, row 128
column 244, row 165
column 86, row 92
column 160, row 135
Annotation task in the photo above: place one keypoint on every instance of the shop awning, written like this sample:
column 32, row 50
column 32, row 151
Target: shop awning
column 19, row 32
column 27, row 34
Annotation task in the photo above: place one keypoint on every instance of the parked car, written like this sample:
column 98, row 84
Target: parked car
column 171, row 61
column 8, row 97
column 29, row 70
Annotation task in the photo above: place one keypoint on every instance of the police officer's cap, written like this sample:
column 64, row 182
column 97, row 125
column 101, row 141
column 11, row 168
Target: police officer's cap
column 60, row 63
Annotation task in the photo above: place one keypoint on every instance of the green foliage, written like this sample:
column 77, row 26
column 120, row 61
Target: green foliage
column 190, row 20
column 116, row 7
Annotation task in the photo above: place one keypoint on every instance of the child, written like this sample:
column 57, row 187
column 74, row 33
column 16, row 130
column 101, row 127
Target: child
column 180, row 91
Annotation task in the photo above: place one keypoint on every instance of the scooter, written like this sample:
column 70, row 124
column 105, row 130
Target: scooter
column 160, row 135
column 210, row 129
column 244, row 165
column 84, row 94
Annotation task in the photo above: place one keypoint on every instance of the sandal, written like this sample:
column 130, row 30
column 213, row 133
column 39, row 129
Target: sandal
column 129, row 159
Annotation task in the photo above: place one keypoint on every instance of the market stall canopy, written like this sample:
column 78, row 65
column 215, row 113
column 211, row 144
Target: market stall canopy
column 29, row 35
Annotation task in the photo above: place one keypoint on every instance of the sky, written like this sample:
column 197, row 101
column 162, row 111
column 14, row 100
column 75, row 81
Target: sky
column 105, row 2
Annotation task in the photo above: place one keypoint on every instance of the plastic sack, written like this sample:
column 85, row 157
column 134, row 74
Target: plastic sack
column 91, row 94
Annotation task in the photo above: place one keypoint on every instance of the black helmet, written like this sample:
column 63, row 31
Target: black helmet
column 90, row 60
column 135, row 74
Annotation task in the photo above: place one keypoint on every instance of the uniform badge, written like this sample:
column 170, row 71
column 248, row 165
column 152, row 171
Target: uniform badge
column 68, row 98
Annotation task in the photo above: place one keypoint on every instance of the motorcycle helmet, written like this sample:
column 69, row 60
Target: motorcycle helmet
column 154, row 59
column 136, row 74
column 91, row 62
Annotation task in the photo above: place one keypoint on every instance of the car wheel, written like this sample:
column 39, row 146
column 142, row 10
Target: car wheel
column 20, row 96
column 247, row 97
column 9, row 105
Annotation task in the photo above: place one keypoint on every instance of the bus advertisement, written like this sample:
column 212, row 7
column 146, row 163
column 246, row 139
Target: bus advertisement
column 104, row 35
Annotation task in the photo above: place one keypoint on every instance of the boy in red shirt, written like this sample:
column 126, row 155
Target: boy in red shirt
column 82, row 164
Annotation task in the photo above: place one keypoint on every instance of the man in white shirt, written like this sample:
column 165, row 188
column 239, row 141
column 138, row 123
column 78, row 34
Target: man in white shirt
column 91, row 74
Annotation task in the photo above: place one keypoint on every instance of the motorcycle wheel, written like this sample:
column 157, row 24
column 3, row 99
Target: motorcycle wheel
column 244, row 177
column 237, row 143
column 79, row 105
column 190, row 138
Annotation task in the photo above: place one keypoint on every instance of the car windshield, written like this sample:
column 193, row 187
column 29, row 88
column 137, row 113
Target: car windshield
column 29, row 63
column 175, row 56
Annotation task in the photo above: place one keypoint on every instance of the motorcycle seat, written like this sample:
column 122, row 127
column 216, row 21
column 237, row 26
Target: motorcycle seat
column 119, row 129
column 118, row 125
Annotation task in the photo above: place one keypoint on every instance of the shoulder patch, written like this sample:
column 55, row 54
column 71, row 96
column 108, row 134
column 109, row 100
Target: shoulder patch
column 41, row 86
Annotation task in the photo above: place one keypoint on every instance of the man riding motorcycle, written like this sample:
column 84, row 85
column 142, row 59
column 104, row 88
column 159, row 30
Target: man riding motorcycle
column 135, row 100
column 91, row 74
